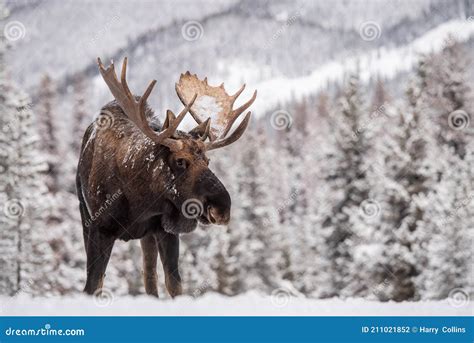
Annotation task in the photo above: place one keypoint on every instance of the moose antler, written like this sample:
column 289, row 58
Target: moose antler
column 135, row 110
column 216, row 104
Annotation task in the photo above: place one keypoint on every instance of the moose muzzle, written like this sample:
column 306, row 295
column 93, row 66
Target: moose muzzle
column 217, row 201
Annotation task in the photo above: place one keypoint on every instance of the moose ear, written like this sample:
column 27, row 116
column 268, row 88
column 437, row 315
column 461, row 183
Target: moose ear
column 202, row 130
column 169, row 119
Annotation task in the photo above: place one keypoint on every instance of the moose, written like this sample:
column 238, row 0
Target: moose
column 137, row 179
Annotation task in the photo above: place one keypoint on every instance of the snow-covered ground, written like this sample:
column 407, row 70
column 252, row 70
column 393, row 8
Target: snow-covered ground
column 212, row 304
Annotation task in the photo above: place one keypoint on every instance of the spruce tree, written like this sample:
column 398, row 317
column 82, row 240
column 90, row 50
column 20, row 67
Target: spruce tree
column 47, row 130
column 346, row 176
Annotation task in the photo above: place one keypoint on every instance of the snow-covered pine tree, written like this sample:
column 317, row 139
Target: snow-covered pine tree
column 345, row 174
column 126, row 260
column 315, row 265
column 81, row 115
column 448, row 92
column 383, row 257
column 449, row 221
column 61, row 218
column 262, row 243
column 47, row 130
column 408, row 159
column 291, row 196
column 25, row 202
column 27, row 259
column 66, row 241
column 9, row 237
column 81, row 118
column 380, row 96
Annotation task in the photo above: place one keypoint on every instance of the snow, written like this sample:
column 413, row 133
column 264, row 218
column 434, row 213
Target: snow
column 213, row 304
column 207, row 106
column 382, row 62
column 110, row 27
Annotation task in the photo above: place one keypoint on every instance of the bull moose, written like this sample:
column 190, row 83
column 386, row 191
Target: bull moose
column 135, row 179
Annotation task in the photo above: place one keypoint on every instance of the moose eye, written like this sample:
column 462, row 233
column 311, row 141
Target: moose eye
column 181, row 163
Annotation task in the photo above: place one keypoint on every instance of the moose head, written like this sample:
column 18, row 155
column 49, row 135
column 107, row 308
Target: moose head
column 190, row 190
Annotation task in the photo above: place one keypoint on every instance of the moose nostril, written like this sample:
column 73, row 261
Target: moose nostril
column 211, row 217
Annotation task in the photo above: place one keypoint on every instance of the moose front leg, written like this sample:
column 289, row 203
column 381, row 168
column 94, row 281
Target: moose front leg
column 168, row 245
column 150, row 257
column 98, row 247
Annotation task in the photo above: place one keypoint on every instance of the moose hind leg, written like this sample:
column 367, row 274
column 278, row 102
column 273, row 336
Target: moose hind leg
column 168, row 245
column 99, row 248
column 150, row 256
